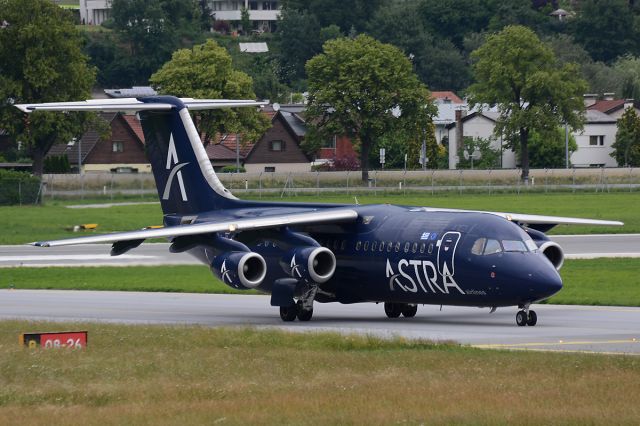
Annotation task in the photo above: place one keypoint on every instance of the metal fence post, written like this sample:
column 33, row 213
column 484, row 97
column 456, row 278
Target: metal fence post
column 404, row 182
column 490, row 170
column 460, row 181
column 573, row 180
column 19, row 192
column 630, row 170
column 317, row 182
column 433, row 172
column 348, row 172
column 260, row 185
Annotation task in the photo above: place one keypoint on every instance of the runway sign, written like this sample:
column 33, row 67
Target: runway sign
column 63, row 339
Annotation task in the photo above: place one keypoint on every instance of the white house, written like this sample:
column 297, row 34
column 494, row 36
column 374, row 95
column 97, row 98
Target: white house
column 265, row 13
column 94, row 12
column 595, row 140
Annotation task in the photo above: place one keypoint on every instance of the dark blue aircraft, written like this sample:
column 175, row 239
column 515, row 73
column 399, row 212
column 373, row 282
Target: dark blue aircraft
column 303, row 253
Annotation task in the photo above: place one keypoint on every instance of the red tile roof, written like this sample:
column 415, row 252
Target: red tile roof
column 443, row 95
column 607, row 106
column 228, row 140
column 135, row 125
column 220, row 152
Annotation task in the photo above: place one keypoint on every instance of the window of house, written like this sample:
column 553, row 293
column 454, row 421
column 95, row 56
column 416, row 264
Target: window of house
column 276, row 146
column 330, row 142
column 117, row 146
column 270, row 169
column 596, row 140
column 253, row 5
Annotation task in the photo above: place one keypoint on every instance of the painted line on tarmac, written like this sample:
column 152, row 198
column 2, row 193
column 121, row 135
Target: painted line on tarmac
column 562, row 351
column 32, row 258
column 601, row 255
column 558, row 343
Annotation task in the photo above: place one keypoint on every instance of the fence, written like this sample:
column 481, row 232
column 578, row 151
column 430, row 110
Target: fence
column 19, row 191
column 108, row 185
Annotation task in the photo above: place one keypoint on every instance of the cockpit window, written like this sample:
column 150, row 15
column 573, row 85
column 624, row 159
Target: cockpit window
column 531, row 245
column 478, row 246
column 492, row 246
column 514, row 245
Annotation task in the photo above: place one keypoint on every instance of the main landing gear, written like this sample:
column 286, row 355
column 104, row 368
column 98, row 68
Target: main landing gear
column 526, row 317
column 393, row 310
column 290, row 313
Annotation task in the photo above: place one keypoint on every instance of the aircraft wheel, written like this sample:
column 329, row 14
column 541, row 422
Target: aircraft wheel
column 393, row 310
column 409, row 311
column 521, row 318
column 303, row 314
column 288, row 313
column 533, row 318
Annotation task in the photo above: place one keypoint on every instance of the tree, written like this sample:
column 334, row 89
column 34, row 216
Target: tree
column 515, row 71
column 477, row 153
column 42, row 62
column 627, row 145
column 547, row 149
column 605, row 28
column 363, row 89
column 345, row 14
column 206, row 72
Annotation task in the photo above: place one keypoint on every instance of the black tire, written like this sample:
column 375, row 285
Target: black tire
column 393, row 310
column 521, row 318
column 409, row 311
column 288, row 313
column 533, row 318
column 303, row 314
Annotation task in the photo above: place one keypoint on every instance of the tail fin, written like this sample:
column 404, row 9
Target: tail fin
column 183, row 173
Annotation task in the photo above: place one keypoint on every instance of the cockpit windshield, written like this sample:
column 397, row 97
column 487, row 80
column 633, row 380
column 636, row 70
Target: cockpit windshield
column 486, row 246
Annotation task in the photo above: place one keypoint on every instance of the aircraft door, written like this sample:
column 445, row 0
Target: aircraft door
column 447, row 252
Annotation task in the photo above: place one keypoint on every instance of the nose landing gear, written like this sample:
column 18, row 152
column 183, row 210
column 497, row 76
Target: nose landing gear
column 526, row 317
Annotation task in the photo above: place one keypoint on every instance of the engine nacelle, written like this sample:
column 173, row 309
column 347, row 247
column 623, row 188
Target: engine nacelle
column 553, row 252
column 240, row 269
column 313, row 264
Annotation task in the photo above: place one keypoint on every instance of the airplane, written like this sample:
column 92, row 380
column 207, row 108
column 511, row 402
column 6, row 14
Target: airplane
column 302, row 253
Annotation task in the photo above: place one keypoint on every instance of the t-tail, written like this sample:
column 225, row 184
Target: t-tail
column 185, row 179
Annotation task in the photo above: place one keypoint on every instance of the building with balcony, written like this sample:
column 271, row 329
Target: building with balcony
column 94, row 12
column 263, row 13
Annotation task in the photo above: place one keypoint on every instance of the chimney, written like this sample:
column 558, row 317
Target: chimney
column 609, row 96
column 589, row 99
column 628, row 103
column 460, row 114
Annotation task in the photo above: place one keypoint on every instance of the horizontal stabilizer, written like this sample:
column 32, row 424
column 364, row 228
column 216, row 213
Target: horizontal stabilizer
column 238, row 225
column 133, row 104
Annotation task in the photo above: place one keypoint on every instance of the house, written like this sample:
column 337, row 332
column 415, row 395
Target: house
column 595, row 141
column 447, row 103
column 264, row 13
column 94, row 12
column 477, row 124
column 123, row 151
column 610, row 106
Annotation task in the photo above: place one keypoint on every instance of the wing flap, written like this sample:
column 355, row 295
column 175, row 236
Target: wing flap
column 318, row 216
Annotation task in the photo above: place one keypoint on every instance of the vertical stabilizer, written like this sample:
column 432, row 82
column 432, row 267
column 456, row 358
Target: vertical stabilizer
column 183, row 173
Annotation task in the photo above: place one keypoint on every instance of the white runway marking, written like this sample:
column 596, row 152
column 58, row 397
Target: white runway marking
column 60, row 257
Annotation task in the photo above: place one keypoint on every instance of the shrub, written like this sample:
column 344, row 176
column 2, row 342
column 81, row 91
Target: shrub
column 18, row 188
column 232, row 169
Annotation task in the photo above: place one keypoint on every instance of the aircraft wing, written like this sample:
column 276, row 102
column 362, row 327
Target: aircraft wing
column 539, row 222
column 233, row 225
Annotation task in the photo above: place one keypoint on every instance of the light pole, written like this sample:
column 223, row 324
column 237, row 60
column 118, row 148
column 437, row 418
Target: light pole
column 566, row 145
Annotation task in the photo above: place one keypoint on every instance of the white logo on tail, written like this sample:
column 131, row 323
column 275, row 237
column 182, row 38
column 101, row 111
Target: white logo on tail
column 172, row 158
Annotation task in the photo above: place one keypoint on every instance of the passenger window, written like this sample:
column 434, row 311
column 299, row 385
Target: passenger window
column 358, row 245
column 414, row 248
column 406, row 247
column 342, row 244
column 389, row 247
column 422, row 247
column 397, row 246
column 430, row 248
column 374, row 246
column 335, row 245
column 492, row 246
column 478, row 246
column 366, row 246
column 381, row 245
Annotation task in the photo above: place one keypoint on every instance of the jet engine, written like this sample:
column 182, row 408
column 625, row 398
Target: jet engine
column 240, row 269
column 551, row 250
column 313, row 264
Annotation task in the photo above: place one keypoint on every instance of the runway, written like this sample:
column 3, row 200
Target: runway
column 575, row 247
column 610, row 330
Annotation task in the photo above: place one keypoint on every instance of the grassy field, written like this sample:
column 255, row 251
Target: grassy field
column 53, row 220
column 196, row 375
column 589, row 282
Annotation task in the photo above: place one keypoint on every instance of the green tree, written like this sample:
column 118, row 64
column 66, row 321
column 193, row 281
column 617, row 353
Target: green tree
column 477, row 153
column 245, row 20
column 547, row 149
column 42, row 62
column 628, row 67
column 517, row 72
column 345, row 14
column 363, row 88
column 605, row 28
column 626, row 148
column 206, row 72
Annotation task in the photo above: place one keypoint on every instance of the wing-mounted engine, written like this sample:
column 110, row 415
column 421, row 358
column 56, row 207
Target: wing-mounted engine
column 311, row 264
column 550, row 249
column 239, row 269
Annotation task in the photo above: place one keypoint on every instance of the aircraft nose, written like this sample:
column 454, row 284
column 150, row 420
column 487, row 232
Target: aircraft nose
column 549, row 283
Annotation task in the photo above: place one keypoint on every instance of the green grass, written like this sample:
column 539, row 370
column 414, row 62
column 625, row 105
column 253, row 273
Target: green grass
column 197, row 375
column 588, row 282
column 29, row 223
